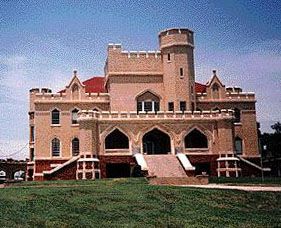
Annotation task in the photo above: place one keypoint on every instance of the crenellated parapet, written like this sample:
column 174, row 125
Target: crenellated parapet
column 86, row 115
column 230, row 96
column 45, row 95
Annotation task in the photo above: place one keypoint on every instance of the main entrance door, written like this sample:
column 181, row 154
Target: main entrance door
column 156, row 142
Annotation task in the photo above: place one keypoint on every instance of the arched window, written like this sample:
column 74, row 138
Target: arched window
column 55, row 147
column 75, row 92
column 196, row 139
column 55, row 116
column 74, row 116
column 237, row 115
column 148, row 102
column 238, row 145
column 2, row 173
column 116, row 140
column 215, row 91
column 75, row 146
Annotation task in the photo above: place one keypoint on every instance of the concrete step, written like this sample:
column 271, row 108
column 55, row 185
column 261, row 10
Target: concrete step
column 164, row 166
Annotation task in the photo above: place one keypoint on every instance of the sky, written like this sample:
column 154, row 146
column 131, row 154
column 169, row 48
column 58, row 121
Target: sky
column 41, row 42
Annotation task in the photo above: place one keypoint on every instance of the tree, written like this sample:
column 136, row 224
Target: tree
column 276, row 127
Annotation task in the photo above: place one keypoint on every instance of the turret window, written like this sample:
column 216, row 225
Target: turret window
column 169, row 57
column 181, row 72
column 237, row 115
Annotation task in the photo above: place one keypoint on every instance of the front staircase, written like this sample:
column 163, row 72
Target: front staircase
column 169, row 170
column 164, row 166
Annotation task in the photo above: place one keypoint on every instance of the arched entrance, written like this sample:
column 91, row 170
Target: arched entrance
column 156, row 142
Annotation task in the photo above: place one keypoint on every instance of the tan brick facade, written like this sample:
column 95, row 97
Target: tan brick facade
column 145, row 92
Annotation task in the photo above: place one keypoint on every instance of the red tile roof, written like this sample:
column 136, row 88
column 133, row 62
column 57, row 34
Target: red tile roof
column 200, row 88
column 94, row 85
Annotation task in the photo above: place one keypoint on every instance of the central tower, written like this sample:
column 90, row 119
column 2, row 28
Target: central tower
column 177, row 46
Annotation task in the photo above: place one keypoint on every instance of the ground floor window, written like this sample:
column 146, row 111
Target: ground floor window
column 117, row 170
column 238, row 145
column 116, row 140
column 196, row 139
column 156, row 142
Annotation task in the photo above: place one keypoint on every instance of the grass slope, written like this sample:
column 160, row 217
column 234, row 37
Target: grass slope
column 134, row 203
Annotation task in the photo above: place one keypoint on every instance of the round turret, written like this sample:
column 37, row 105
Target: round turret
column 176, row 37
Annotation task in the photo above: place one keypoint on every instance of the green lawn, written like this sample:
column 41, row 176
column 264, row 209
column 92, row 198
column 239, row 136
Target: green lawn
column 134, row 203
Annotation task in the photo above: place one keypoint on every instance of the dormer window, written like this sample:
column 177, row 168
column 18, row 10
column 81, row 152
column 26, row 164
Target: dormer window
column 215, row 91
column 75, row 92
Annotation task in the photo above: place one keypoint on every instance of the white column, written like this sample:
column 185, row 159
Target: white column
column 153, row 106
column 142, row 106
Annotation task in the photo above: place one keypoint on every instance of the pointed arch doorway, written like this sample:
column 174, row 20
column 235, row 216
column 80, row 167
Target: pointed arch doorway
column 156, row 142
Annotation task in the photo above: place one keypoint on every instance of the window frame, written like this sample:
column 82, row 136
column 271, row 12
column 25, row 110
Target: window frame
column 72, row 111
column 72, row 146
column 52, row 147
column 59, row 114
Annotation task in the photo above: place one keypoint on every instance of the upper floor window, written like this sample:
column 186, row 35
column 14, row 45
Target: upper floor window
column 237, row 115
column 74, row 116
column 182, row 106
column 55, row 147
column 31, row 154
column 75, row 146
column 148, row 102
column 169, row 57
column 171, row 106
column 181, row 72
column 55, row 116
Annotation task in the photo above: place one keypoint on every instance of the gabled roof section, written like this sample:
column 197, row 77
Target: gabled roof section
column 92, row 85
column 215, row 79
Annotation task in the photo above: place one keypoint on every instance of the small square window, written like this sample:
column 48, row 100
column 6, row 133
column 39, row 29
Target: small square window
column 183, row 106
column 171, row 106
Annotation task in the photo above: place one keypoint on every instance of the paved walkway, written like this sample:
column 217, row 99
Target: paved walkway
column 253, row 188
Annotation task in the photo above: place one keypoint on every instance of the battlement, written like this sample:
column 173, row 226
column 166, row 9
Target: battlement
column 85, row 115
column 176, row 37
column 240, row 96
column 46, row 95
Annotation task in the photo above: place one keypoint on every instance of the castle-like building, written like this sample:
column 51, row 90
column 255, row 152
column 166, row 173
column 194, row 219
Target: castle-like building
column 145, row 115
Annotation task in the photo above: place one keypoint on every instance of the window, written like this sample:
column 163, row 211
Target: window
column 238, row 145
column 55, row 147
column 181, row 72
column 75, row 146
column 196, row 139
column 75, row 92
column 171, row 106
column 148, row 102
column 215, row 91
column 237, row 115
column 116, row 140
column 183, row 106
column 74, row 116
column 32, row 134
column 169, row 57
column 55, row 116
